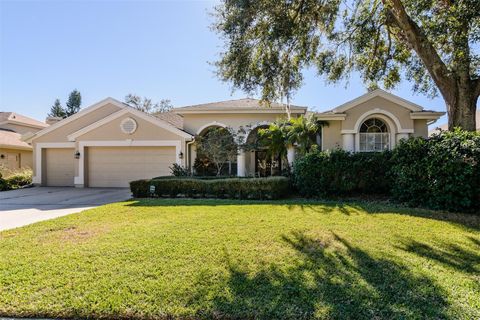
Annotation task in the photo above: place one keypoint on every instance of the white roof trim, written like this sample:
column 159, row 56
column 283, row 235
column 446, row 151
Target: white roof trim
column 80, row 114
column 331, row 116
column 426, row 115
column 378, row 93
column 128, row 110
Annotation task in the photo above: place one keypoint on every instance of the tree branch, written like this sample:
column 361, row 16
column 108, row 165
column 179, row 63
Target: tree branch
column 421, row 45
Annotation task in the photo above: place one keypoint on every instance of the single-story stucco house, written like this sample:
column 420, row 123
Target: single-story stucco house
column 109, row 143
column 15, row 153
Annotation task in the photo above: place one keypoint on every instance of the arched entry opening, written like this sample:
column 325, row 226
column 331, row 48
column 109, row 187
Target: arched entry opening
column 215, row 152
column 259, row 160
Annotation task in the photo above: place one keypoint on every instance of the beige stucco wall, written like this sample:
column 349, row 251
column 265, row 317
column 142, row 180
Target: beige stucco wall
column 145, row 131
column 421, row 128
column 332, row 136
column 402, row 113
column 110, row 131
column 60, row 134
column 194, row 122
column 25, row 158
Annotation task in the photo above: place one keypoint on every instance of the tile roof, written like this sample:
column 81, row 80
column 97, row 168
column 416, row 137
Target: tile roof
column 13, row 116
column 238, row 104
column 172, row 118
column 10, row 139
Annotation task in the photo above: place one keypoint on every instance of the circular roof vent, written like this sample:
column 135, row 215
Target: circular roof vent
column 128, row 125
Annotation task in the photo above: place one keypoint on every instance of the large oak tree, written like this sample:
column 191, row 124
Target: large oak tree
column 433, row 43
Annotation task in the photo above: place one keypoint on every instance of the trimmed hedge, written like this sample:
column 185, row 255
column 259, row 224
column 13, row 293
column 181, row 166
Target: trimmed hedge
column 338, row 172
column 442, row 172
column 232, row 188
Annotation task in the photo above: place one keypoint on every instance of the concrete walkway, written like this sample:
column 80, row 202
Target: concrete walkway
column 25, row 206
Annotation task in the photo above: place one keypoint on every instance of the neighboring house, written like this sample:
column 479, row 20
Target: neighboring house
column 109, row 143
column 445, row 126
column 15, row 153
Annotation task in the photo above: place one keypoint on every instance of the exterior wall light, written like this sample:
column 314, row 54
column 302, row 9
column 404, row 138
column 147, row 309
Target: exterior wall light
column 180, row 155
column 77, row 155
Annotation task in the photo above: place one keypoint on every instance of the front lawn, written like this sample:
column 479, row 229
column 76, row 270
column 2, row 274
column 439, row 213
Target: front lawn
column 230, row 259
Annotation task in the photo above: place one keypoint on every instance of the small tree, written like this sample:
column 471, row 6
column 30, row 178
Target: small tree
column 303, row 131
column 73, row 103
column 218, row 145
column 146, row 105
column 57, row 110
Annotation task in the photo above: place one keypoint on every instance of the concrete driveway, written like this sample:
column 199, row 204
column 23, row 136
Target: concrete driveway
column 26, row 206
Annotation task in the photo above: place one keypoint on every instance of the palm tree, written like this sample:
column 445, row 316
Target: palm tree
column 302, row 131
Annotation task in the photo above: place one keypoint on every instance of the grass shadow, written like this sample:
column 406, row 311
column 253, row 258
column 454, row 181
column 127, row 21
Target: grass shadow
column 447, row 254
column 333, row 280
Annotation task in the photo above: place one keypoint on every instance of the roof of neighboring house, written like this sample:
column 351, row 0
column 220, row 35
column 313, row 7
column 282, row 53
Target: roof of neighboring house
column 246, row 105
column 11, row 140
column 445, row 125
column 13, row 117
column 172, row 118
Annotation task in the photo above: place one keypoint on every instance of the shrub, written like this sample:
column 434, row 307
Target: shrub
column 339, row 172
column 233, row 188
column 442, row 172
column 179, row 171
column 15, row 179
column 3, row 184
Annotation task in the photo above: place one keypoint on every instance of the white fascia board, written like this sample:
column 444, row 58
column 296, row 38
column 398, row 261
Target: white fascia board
column 80, row 114
column 426, row 115
column 333, row 116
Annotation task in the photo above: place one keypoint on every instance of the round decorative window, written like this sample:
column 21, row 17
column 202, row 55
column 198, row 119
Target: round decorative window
column 128, row 125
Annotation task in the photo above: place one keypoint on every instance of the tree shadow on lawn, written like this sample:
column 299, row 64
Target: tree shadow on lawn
column 324, row 207
column 448, row 254
column 329, row 280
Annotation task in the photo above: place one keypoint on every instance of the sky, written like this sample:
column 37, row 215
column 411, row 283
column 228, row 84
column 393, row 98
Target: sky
column 157, row 49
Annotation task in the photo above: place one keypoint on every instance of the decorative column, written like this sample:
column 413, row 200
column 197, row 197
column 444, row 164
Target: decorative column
column 401, row 136
column 241, row 163
column 290, row 155
column 348, row 140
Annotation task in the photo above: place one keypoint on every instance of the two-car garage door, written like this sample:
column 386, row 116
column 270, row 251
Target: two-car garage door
column 117, row 166
column 108, row 166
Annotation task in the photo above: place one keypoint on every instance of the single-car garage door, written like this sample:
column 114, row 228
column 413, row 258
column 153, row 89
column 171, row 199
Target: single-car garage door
column 117, row 166
column 59, row 167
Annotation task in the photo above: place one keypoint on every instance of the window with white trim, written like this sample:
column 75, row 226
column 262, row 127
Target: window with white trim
column 374, row 136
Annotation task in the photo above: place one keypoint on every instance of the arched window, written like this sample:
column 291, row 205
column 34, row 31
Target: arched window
column 374, row 135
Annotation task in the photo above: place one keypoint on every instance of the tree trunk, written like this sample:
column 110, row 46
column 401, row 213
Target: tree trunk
column 462, row 106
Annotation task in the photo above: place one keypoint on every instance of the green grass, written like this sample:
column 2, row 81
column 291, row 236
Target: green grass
column 230, row 259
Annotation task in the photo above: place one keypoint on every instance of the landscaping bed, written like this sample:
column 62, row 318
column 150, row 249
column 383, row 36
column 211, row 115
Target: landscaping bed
column 162, row 259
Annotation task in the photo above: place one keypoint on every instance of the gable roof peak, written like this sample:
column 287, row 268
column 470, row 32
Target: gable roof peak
column 378, row 93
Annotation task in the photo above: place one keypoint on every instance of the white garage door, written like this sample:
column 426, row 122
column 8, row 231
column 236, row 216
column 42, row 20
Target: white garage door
column 117, row 166
column 59, row 167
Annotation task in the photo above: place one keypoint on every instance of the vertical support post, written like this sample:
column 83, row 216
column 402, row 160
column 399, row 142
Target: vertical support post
column 348, row 140
column 290, row 155
column 241, row 163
